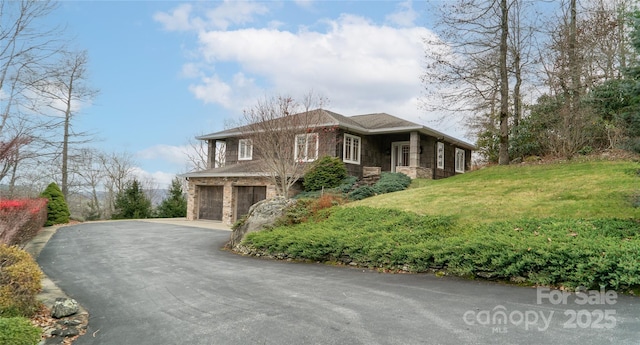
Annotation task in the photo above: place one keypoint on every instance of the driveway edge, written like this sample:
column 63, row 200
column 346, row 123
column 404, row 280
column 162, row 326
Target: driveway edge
column 55, row 334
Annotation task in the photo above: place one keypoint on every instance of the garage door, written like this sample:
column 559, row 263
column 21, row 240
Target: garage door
column 210, row 202
column 247, row 196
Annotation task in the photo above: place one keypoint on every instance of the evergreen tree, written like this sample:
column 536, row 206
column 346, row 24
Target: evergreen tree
column 57, row 208
column 175, row 205
column 132, row 203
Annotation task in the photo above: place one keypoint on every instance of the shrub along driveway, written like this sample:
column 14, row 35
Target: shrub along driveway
column 146, row 283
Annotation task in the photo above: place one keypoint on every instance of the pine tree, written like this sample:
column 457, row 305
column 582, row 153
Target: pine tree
column 132, row 203
column 57, row 208
column 175, row 205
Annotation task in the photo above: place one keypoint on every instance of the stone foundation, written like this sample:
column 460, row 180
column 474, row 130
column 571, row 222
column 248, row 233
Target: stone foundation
column 416, row 172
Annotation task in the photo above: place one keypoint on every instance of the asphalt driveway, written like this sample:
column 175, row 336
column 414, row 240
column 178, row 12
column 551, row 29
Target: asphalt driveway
column 146, row 283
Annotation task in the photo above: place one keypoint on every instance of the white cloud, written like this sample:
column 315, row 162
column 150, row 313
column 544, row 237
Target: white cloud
column 174, row 157
column 304, row 3
column 360, row 66
column 212, row 90
column 172, row 154
column 235, row 12
column 153, row 180
column 178, row 19
column 223, row 16
column 354, row 62
column 405, row 16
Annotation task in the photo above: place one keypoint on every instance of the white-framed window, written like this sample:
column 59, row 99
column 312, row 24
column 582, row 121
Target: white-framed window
column 351, row 149
column 460, row 161
column 306, row 149
column 245, row 150
column 440, row 154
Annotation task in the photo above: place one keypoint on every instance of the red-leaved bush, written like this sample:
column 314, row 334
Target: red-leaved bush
column 20, row 220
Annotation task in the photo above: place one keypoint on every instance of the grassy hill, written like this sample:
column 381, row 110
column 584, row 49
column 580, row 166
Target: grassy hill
column 590, row 189
column 564, row 225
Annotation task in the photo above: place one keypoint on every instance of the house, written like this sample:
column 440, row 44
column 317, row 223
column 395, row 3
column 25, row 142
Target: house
column 368, row 144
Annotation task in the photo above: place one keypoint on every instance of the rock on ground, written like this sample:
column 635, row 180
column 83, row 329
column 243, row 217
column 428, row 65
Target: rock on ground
column 64, row 307
column 261, row 215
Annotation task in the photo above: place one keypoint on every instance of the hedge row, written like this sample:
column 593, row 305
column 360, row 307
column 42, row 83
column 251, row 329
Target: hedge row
column 20, row 278
column 20, row 220
column 552, row 252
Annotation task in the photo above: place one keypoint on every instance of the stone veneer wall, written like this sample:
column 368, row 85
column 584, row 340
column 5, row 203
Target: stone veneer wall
column 228, row 202
column 416, row 172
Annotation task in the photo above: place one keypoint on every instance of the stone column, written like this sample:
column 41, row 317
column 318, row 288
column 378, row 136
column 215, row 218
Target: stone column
column 414, row 150
column 211, row 154
column 191, row 200
column 228, row 203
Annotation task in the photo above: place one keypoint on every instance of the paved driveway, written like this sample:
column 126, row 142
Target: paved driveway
column 146, row 283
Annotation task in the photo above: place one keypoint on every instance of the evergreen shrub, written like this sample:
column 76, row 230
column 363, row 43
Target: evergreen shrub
column 326, row 173
column 57, row 208
column 18, row 331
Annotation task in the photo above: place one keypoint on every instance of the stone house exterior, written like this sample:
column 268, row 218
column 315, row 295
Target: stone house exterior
column 368, row 144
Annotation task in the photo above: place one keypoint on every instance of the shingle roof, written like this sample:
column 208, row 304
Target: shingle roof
column 378, row 123
column 241, row 169
column 382, row 120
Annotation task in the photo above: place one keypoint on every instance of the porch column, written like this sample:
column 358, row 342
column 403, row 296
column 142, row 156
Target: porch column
column 414, row 149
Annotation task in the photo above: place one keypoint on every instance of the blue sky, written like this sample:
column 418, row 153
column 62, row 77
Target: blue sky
column 168, row 71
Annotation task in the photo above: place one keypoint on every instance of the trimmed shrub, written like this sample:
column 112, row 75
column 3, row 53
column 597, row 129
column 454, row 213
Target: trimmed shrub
column 20, row 220
column 327, row 172
column 362, row 192
column 19, row 282
column 392, row 182
column 18, row 331
column 347, row 184
column 57, row 208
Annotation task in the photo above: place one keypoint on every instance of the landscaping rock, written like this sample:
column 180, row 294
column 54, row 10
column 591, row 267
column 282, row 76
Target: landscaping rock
column 261, row 215
column 64, row 307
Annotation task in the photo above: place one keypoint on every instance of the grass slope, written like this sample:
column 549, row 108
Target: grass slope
column 564, row 225
column 593, row 189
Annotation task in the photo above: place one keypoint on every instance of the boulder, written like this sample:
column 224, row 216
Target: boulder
column 262, row 215
column 63, row 307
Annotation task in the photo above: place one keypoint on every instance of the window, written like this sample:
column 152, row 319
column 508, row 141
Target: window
column 306, row 149
column 245, row 150
column 440, row 164
column 351, row 149
column 460, row 161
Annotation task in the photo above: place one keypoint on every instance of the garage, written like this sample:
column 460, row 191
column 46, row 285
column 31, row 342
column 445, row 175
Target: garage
column 210, row 202
column 247, row 196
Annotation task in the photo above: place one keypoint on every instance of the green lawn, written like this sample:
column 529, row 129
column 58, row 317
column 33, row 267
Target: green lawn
column 564, row 225
column 595, row 189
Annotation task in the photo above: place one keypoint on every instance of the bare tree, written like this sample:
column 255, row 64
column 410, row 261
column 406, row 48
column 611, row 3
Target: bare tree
column 481, row 47
column 588, row 46
column 26, row 44
column 503, row 157
column 64, row 91
column 91, row 175
column 118, row 170
column 284, row 135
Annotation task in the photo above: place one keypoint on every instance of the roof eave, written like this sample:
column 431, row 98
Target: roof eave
column 222, row 174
